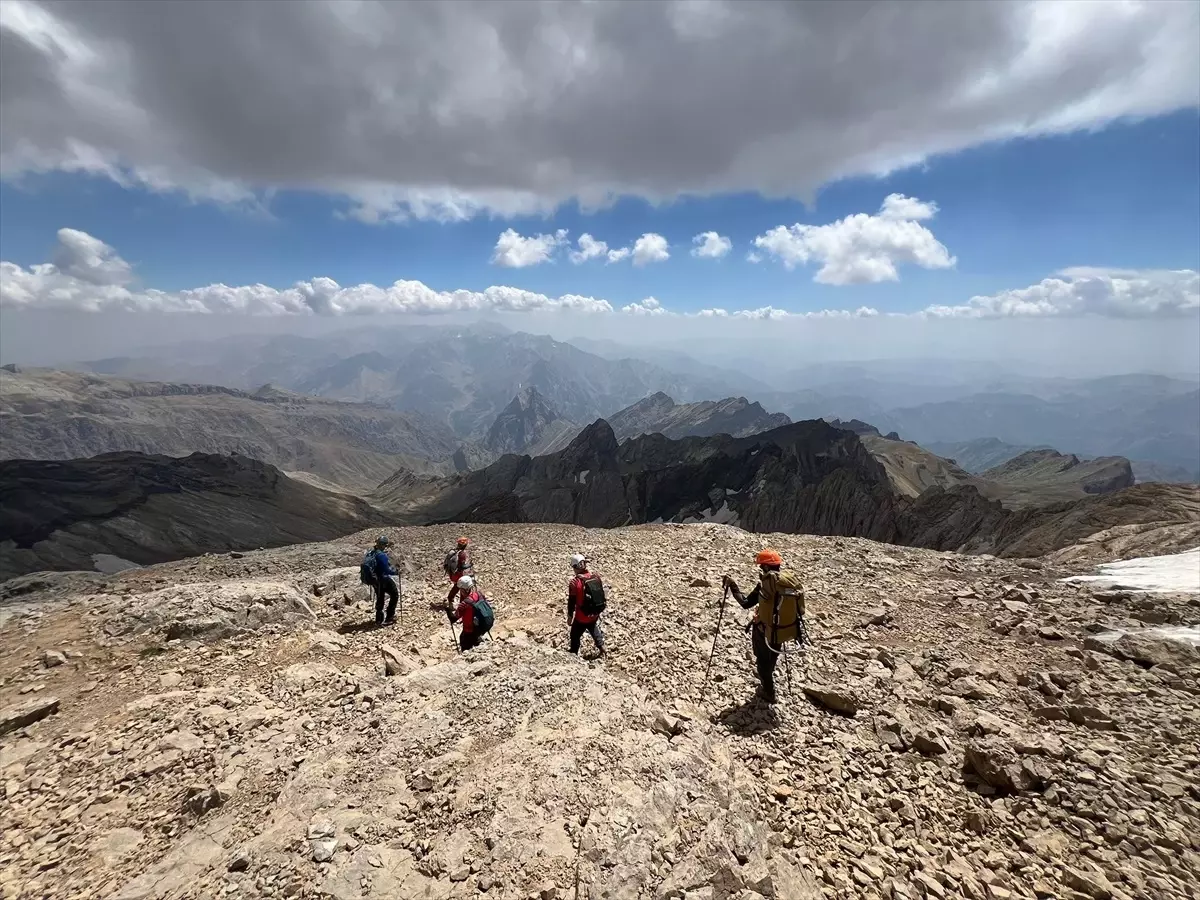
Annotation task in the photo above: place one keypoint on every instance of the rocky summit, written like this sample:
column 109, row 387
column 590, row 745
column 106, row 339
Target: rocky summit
column 960, row 726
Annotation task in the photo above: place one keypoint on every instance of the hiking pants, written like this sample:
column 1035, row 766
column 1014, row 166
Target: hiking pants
column 468, row 639
column 593, row 628
column 765, row 660
column 386, row 587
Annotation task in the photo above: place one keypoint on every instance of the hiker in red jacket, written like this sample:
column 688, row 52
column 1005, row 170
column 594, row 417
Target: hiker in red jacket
column 458, row 564
column 585, row 603
column 473, row 611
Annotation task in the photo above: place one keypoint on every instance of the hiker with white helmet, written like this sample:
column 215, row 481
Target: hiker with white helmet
column 778, row 618
column 377, row 571
column 473, row 610
column 585, row 603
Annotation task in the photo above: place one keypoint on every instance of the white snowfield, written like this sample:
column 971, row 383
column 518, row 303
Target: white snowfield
column 1178, row 573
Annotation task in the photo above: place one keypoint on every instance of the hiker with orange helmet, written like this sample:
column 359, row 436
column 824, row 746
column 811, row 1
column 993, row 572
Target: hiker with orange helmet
column 778, row 618
column 457, row 564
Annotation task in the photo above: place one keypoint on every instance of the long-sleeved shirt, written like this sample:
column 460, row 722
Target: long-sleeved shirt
column 383, row 565
column 464, row 611
column 575, row 611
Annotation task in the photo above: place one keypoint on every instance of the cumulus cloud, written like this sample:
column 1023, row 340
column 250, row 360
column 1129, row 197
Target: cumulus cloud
column 516, row 252
column 771, row 313
column 647, row 307
column 90, row 276
column 650, row 248
column 862, row 249
column 711, row 245
column 1114, row 293
column 449, row 110
column 589, row 248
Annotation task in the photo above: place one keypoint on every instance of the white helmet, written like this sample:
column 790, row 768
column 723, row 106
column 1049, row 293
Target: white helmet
column 578, row 560
column 466, row 583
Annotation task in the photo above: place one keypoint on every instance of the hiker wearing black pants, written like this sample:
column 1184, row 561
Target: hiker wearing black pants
column 585, row 603
column 777, row 619
column 387, row 584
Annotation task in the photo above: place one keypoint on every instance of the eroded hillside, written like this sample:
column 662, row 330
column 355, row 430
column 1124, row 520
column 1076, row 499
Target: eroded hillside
column 224, row 727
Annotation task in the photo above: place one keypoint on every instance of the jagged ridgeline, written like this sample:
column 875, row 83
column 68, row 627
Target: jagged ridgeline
column 806, row 477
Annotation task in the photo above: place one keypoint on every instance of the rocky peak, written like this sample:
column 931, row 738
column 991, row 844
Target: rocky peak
column 522, row 423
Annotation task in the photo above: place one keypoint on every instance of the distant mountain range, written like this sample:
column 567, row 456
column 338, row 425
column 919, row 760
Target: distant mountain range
column 465, row 376
column 118, row 509
column 45, row 414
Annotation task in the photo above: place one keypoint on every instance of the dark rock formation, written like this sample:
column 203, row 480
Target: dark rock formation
column 150, row 509
column 807, row 477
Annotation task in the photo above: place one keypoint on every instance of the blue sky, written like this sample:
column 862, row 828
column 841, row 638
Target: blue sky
column 1042, row 159
column 1012, row 213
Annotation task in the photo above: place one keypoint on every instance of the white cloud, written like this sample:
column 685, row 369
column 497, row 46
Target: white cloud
column 81, row 256
column 650, row 248
column 647, row 307
column 90, row 276
column 1112, row 293
column 897, row 206
column 618, row 254
column 516, row 252
column 589, row 248
column 862, row 249
column 453, row 110
column 711, row 245
column 771, row 313
column 753, row 257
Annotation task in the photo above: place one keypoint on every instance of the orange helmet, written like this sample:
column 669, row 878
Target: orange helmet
column 768, row 558
column 462, row 542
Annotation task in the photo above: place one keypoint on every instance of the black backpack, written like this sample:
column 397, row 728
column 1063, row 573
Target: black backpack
column 366, row 571
column 594, row 601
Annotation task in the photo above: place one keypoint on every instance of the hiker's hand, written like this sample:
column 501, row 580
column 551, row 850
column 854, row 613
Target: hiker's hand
column 728, row 583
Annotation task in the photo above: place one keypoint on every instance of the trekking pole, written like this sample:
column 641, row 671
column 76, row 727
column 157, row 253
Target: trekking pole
column 713, row 652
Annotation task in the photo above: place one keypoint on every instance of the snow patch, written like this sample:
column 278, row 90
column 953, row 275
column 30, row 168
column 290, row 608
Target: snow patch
column 1176, row 573
column 583, row 476
column 1183, row 634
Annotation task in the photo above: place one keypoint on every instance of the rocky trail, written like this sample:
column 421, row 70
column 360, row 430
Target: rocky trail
column 228, row 726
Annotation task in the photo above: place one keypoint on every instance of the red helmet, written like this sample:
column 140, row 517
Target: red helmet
column 768, row 558
column 462, row 542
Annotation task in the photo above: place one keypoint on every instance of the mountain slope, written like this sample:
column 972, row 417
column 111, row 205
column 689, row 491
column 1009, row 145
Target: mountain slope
column 148, row 509
column 45, row 414
column 807, row 477
column 1049, row 469
column 178, row 769
column 659, row 414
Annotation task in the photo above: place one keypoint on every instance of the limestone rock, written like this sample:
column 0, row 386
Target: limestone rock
column 52, row 658
column 26, row 714
column 837, row 699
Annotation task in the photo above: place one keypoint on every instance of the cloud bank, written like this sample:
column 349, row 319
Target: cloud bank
column 450, row 110
column 88, row 275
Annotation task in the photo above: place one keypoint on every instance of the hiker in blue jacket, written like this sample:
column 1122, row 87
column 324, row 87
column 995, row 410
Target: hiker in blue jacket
column 387, row 582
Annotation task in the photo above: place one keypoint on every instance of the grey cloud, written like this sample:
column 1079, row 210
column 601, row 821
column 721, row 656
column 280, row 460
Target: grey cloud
column 446, row 110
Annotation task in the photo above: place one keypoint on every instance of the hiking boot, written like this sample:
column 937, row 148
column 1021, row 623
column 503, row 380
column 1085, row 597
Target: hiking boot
column 379, row 623
column 391, row 621
column 767, row 697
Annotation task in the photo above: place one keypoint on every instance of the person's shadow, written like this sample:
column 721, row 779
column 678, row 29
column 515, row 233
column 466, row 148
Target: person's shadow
column 749, row 717
column 357, row 627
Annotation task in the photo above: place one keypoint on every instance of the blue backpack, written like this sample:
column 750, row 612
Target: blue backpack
column 366, row 571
